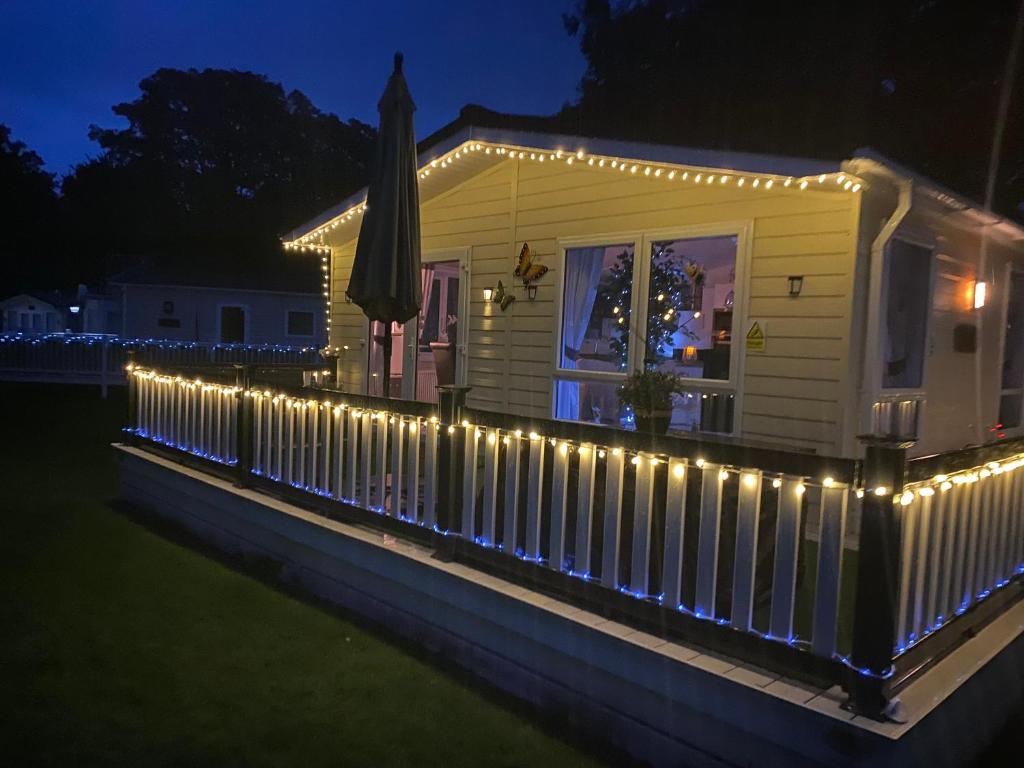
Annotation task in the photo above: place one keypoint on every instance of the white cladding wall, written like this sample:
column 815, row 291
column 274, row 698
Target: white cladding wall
column 793, row 392
column 198, row 312
column 961, row 401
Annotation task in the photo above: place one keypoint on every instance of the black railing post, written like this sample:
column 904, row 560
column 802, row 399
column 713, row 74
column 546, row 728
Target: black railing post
column 878, row 564
column 450, row 455
column 243, row 424
column 133, row 397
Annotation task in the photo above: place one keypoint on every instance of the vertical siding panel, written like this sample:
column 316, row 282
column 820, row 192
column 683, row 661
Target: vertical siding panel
column 490, row 498
column 612, row 518
column 707, row 540
column 641, row 554
column 535, row 483
column 514, row 445
column 831, row 533
column 584, row 509
column 748, row 516
column 675, row 530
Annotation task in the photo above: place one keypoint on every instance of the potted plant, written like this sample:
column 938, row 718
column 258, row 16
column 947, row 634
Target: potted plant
column 649, row 394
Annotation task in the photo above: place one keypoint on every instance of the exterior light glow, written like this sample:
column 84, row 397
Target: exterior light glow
column 980, row 292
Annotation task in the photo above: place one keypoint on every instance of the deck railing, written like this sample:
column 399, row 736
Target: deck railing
column 101, row 358
column 740, row 548
column 961, row 517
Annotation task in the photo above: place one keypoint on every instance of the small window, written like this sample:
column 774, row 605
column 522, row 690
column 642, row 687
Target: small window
column 300, row 323
column 905, row 314
column 169, row 322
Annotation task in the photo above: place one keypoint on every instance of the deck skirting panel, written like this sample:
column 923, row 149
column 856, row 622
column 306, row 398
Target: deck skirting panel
column 573, row 666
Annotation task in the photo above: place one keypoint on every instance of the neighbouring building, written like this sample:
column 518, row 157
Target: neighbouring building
column 33, row 313
column 236, row 309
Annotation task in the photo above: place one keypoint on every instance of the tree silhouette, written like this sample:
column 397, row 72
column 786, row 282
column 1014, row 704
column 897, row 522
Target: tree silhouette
column 212, row 167
column 918, row 80
column 28, row 206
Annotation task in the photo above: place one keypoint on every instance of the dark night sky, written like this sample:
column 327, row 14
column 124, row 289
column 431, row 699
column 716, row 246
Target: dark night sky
column 64, row 64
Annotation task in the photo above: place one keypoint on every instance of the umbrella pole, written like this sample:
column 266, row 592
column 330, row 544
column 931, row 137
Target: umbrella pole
column 387, row 359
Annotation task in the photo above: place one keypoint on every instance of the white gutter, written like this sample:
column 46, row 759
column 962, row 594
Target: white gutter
column 872, row 358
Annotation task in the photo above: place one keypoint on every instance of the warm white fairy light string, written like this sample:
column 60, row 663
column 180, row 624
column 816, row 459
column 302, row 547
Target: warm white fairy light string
column 677, row 466
column 325, row 271
column 668, row 172
column 944, row 483
column 940, row 483
column 313, row 241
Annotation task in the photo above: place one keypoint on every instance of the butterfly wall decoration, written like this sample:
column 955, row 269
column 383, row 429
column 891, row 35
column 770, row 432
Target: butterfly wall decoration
column 528, row 270
column 502, row 297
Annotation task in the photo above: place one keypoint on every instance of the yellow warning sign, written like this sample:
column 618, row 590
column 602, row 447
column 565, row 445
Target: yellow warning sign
column 755, row 338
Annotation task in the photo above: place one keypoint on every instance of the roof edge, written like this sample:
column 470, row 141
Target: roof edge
column 549, row 133
column 942, row 194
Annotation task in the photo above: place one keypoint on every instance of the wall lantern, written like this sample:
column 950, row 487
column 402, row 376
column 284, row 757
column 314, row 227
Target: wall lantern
column 980, row 291
column 531, row 292
column 75, row 309
column 796, row 284
column 488, row 294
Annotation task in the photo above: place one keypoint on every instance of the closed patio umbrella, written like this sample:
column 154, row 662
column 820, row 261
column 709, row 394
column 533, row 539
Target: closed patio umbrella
column 385, row 280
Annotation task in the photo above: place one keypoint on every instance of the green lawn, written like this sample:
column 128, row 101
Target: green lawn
column 121, row 646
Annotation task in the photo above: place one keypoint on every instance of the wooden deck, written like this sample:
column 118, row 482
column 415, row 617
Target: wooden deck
column 663, row 701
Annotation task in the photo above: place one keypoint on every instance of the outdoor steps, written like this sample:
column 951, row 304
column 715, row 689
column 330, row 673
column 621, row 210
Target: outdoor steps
column 659, row 701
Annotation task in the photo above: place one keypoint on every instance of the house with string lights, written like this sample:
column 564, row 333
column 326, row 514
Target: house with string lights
column 775, row 580
column 803, row 302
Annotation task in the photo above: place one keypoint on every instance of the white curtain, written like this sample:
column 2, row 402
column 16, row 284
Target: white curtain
column 583, row 268
column 427, row 277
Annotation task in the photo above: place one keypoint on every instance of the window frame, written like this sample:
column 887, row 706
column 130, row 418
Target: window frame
column 906, row 393
column 632, row 239
column 642, row 242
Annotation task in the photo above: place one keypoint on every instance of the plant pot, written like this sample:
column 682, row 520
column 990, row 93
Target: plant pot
column 653, row 422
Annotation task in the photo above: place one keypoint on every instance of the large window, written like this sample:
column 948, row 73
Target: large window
column 1012, row 386
column 670, row 309
column 905, row 314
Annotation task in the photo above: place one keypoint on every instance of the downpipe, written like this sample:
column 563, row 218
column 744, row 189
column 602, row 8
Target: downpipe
column 871, row 357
